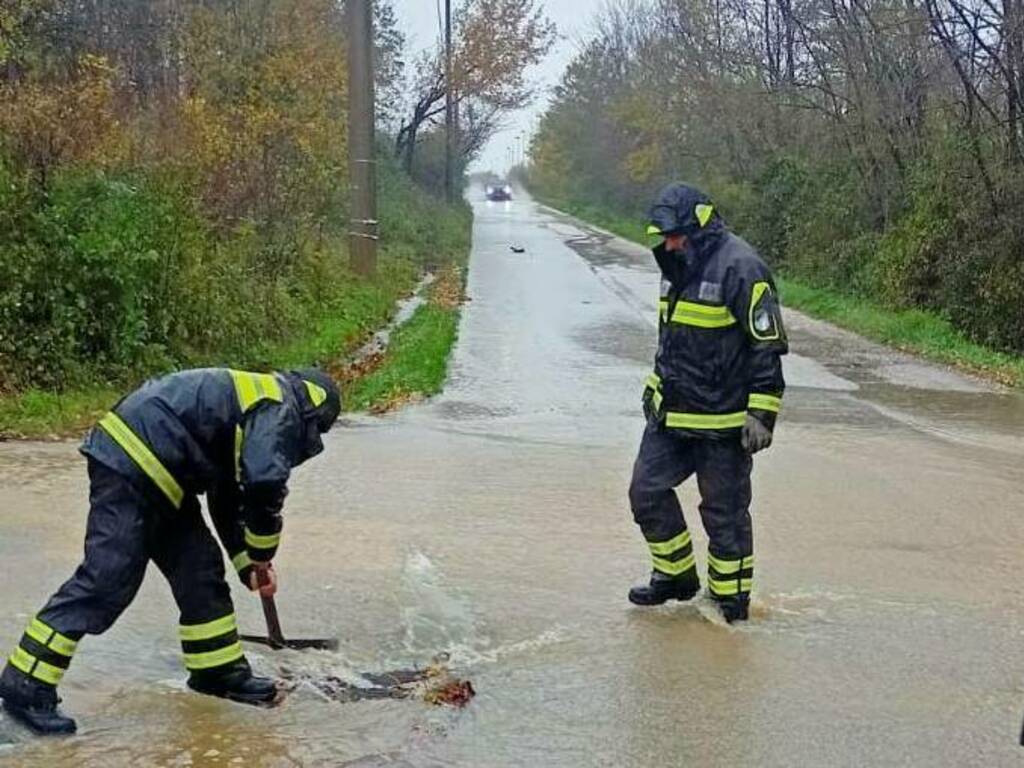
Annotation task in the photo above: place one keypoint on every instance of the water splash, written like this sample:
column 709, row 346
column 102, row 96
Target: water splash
column 435, row 618
column 438, row 619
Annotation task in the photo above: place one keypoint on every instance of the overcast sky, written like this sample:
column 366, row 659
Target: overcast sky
column 419, row 19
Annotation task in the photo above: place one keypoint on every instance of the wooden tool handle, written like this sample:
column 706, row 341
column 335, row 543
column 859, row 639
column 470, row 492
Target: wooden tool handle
column 274, row 632
column 273, row 623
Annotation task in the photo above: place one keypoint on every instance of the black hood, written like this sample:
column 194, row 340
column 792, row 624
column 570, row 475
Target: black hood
column 685, row 210
column 321, row 405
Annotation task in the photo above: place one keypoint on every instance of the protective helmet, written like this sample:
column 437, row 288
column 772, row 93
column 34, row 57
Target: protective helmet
column 681, row 210
column 321, row 404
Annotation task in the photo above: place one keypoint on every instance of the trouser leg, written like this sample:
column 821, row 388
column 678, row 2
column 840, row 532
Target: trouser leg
column 189, row 558
column 101, row 588
column 663, row 462
column 723, row 478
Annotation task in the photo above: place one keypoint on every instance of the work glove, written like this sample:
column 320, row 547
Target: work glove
column 755, row 436
column 263, row 579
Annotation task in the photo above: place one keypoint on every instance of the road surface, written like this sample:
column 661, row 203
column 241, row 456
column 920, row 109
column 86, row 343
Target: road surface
column 492, row 523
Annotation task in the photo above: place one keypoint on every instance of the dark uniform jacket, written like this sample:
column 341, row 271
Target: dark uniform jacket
column 720, row 334
column 233, row 435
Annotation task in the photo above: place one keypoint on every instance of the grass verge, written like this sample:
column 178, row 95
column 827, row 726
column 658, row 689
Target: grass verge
column 416, row 362
column 911, row 330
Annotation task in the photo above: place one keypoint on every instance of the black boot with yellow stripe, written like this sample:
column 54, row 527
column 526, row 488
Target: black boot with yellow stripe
column 663, row 588
column 28, row 685
column 216, row 665
column 674, row 572
column 234, row 681
column 730, row 580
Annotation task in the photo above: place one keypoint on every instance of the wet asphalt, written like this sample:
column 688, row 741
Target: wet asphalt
column 492, row 523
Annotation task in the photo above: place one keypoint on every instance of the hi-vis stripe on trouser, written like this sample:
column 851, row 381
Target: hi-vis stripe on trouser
column 730, row 577
column 43, row 653
column 674, row 556
column 212, row 644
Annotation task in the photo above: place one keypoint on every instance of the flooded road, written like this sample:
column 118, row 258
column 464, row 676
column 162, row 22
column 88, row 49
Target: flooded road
column 492, row 523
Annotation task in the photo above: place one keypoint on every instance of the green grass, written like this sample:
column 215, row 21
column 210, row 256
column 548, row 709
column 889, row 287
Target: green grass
column 359, row 308
column 911, row 330
column 627, row 227
column 41, row 414
column 416, row 362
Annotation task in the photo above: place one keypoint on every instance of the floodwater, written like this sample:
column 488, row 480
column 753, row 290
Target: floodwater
column 492, row 523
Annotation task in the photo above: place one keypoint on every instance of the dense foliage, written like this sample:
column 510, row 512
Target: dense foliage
column 873, row 146
column 173, row 183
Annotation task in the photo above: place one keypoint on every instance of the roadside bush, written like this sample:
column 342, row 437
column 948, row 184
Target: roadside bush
column 89, row 276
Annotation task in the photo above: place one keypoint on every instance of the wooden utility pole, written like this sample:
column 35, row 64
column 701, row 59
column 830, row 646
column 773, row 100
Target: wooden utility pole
column 449, row 112
column 362, row 163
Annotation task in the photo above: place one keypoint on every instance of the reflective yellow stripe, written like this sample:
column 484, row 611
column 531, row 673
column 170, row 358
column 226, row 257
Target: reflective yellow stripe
column 653, row 381
column 656, row 401
column 257, row 541
column 140, row 453
column 730, row 566
column 47, row 673
column 22, row 660
column 32, row 666
column 208, row 630
column 663, row 310
column 697, row 321
column 38, row 633
column 245, row 388
column 216, row 658
column 765, row 403
column 241, row 560
column 239, row 440
column 46, row 635
column 702, row 315
column 674, row 568
column 703, row 213
column 670, row 546
column 253, row 388
column 316, row 394
column 731, row 587
column 653, row 230
column 705, row 420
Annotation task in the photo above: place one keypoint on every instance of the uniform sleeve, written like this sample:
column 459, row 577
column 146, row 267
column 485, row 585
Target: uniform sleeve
column 652, row 384
column 264, row 464
column 225, row 503
column 753, row 300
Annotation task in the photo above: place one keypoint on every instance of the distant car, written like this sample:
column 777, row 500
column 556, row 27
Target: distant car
column 499, row 192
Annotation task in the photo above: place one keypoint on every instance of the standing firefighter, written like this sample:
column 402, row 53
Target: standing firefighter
column 230, row 434
column 710, row 404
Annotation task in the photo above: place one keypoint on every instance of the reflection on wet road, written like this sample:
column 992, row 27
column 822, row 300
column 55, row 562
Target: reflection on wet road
column 492, row 523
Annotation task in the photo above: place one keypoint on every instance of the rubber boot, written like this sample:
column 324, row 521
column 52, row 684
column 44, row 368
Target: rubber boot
column 734, row 608
column 663, row 588
column 235, row 682
column 33, row 703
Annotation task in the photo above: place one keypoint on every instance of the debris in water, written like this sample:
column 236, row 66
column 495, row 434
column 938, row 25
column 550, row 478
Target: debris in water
column 394, row 400
column 457, row 693
column 434, row 684
column 517, row 249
